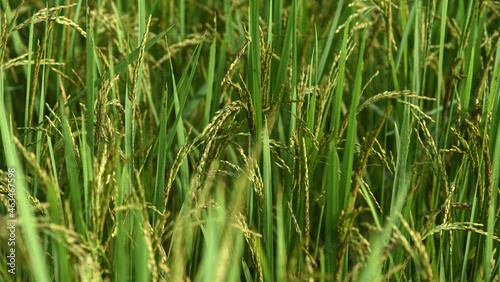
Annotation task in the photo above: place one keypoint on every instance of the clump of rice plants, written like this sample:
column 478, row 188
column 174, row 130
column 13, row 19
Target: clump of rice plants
column 249, row 140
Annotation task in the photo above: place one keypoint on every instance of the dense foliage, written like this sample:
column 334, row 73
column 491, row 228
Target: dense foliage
column 250, row 140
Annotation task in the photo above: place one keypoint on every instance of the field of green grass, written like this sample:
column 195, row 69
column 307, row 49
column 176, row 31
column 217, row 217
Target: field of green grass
column 234, row 140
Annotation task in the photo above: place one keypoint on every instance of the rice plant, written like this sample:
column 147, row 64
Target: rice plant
column 249, row 140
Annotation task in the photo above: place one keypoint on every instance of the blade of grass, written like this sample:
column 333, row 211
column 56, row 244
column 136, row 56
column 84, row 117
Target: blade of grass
column 72, row 171
column 495, row 152
column 348, row 157
column 442, row 33
column 28, row 82
column 285, row 53
column 210, row 83
column 268, row 201
column 182, row 93
column 229, row 25
column 331, row 179
column 254, row 65
column 91, row 77
column 47, row 49
column 30, row 233
column 141, row 15
column 86, row 171
column 329, row 41
column 280, row 239
column 162, row 152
